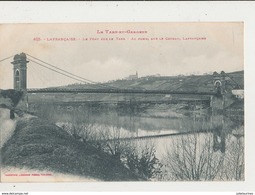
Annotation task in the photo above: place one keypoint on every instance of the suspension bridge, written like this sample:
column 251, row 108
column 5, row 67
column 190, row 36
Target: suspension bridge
column 20, row 62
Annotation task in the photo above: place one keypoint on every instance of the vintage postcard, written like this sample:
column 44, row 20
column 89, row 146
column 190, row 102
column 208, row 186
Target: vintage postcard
column 122, row 102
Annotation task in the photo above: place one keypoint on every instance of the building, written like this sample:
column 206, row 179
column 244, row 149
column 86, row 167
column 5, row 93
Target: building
column 133, row 77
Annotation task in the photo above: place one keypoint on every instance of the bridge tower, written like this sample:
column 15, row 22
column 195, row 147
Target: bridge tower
column 20, row 72
column 219, row 82
column 217, row 105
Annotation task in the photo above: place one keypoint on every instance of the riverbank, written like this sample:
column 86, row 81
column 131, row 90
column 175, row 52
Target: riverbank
column 38, row 145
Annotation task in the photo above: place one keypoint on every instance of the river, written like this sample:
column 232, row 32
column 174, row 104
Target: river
column 109, row 122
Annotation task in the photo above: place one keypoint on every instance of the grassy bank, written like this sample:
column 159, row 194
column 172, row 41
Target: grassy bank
column 36, row 144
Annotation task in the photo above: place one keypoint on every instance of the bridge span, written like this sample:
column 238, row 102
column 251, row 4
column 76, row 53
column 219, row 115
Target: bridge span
column 118, row 91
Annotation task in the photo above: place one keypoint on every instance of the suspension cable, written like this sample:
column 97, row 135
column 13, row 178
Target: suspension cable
column 35, row 70
column 58, row 71
column 6, row 58
column 43, row 66
column 72, row 75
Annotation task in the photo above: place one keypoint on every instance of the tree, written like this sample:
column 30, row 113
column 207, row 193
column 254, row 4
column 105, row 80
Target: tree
column 141, row 159
column 136, row 155
column 14, row 95
column 191, row 157
column 234, row 162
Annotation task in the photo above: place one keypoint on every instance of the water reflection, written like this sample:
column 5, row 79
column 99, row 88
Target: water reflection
column 111, row 121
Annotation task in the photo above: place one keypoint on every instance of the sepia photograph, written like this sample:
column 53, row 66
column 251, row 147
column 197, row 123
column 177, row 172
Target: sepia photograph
column 151, row 101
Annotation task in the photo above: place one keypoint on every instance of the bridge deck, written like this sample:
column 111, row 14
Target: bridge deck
column 121, row 91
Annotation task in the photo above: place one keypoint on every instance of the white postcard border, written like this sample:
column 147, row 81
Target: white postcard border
column 79, row 12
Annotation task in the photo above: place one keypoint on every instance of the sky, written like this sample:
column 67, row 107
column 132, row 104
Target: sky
column 197, row 48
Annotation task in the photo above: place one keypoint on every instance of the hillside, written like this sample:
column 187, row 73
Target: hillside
column 36, row 144
column 195, row 83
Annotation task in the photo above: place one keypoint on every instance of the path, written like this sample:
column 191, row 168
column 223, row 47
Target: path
column 7, row 126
